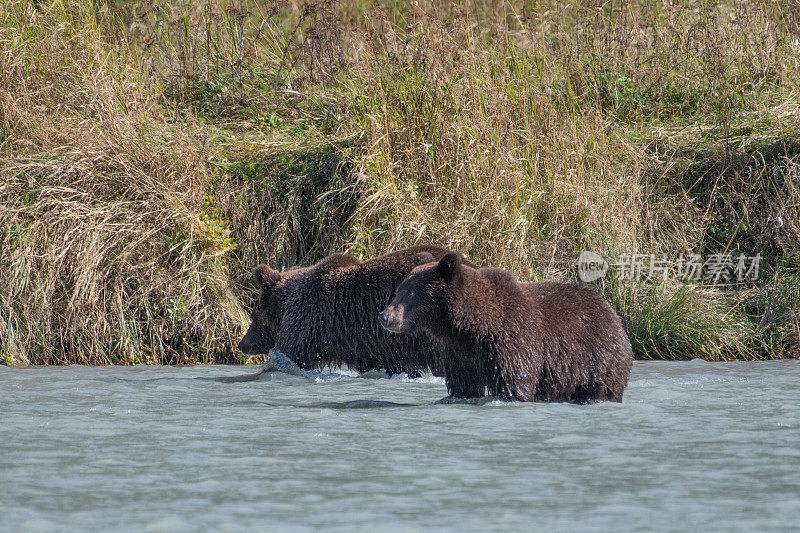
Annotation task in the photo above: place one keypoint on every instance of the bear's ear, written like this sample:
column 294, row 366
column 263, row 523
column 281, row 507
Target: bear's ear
column 265, row 276
column 424, row 258
column 449, row 266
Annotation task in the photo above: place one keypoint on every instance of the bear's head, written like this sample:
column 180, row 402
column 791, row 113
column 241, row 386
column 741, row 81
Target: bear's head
column 266, row 315
column 423, row 298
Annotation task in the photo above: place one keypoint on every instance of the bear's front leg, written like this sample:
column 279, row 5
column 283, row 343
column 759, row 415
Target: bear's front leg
column 464, row 375
column 517, row 375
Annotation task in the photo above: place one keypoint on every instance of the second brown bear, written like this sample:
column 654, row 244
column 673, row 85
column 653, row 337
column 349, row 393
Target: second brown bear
column 327, row 314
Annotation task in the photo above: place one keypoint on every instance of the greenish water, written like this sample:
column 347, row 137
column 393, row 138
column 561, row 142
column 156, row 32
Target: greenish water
column 694, row 446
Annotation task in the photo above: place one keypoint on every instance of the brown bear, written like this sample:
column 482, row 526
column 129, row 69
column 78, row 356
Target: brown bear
column 540, row 341
column 327, row 314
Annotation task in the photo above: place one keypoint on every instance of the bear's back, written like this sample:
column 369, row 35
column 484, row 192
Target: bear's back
column 573, row 310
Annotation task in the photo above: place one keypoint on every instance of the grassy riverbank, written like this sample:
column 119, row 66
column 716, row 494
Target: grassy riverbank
column 151, row 154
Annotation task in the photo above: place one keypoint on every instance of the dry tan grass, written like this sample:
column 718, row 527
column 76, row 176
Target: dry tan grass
column 108, row 256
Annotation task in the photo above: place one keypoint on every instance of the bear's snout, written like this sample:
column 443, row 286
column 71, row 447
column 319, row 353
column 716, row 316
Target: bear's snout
column 255, row 341
column 391, row 318
column 245, row 346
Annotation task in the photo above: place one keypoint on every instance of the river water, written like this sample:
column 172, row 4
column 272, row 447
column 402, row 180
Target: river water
column 694, row 446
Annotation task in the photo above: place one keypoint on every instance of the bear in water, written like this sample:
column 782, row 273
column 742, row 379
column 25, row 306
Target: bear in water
column 327, row 314
column 540, row 341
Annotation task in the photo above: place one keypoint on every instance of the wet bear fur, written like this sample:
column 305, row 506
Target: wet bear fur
column 540, row 341
column 327, row 315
